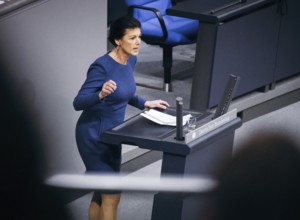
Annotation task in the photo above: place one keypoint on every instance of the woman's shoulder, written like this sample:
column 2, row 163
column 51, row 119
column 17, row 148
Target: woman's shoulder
column 104, row 59
column 107, row 62
column 132, row 60
column 99, row 65
column 104, row 62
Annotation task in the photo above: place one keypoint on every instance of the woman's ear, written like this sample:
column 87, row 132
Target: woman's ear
column 117, row 42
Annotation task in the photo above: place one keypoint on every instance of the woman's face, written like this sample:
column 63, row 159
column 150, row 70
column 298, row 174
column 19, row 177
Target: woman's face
column 131, row 41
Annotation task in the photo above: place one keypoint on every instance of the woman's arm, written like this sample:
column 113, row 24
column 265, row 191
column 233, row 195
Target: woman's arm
column 156, row 104
column 141, row 103
column 88, row 94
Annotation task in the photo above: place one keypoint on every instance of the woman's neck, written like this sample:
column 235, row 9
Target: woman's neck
column 118, row 55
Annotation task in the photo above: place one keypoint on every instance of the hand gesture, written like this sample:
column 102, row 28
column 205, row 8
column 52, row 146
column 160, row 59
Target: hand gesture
column 156, row 104
column 108, row 88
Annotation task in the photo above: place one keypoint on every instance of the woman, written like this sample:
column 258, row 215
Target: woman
column 108, row 88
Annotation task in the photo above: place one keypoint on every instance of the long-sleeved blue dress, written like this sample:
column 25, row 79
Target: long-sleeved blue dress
column 99, row 115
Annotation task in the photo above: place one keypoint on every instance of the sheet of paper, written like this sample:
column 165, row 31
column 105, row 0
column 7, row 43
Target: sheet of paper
column 163, row 118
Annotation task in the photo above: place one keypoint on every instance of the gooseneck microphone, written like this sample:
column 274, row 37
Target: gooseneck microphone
column 179, row 120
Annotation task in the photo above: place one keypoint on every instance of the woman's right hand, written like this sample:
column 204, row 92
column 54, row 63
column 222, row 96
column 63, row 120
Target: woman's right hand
column 108, row 88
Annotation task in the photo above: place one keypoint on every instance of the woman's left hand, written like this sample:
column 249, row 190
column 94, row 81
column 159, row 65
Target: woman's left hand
column 156, row 104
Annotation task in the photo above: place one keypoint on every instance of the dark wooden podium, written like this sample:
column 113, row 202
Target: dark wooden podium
column 198, row 157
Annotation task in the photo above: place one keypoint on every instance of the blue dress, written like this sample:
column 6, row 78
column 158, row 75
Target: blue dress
column 99, row 115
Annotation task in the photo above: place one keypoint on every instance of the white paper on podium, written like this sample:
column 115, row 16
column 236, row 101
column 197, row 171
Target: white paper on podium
column 163, row 118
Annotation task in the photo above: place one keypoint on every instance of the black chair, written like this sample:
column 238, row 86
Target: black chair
column 164, row 30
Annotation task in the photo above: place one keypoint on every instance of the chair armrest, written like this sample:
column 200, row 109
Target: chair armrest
column 157, row 14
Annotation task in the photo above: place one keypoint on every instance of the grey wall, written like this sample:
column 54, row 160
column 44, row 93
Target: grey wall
column 48, row 47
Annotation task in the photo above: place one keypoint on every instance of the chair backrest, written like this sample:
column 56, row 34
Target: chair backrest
column 142, row 15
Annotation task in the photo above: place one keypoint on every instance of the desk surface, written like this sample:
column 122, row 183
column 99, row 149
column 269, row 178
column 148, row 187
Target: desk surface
column 146, row 134
column 207, row 10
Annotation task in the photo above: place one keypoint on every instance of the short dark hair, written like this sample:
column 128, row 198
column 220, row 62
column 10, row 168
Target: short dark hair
column 119, row 26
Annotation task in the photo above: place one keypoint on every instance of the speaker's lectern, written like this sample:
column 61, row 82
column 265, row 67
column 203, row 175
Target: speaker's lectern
column 197, row 156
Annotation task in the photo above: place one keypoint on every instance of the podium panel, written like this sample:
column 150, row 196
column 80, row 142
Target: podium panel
column 198, row 157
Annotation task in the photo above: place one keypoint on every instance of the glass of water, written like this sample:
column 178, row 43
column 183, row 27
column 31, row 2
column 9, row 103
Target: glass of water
column 191, row 124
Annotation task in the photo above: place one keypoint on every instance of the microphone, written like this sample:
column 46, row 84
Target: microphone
column 179, row 120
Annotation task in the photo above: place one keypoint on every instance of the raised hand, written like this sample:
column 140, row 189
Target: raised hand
column 108, row 88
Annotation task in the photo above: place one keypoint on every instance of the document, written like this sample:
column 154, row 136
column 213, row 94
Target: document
column 163, row 118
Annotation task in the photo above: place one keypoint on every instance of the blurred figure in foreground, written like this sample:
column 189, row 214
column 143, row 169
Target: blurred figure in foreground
column 262, row 181
column 22, row 194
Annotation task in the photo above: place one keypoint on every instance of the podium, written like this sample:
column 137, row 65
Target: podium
column 200, row 156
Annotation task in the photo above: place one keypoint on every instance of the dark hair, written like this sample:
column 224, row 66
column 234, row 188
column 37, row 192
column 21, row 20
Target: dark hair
column 119, row 26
